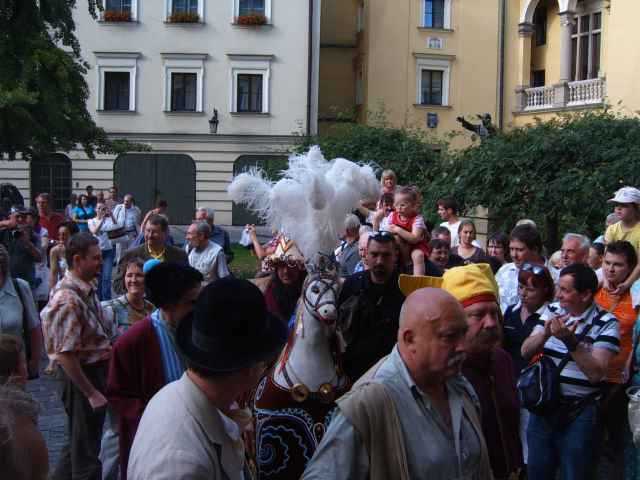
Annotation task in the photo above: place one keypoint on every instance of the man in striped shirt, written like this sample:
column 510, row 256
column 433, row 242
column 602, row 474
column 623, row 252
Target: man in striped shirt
column 566, row 439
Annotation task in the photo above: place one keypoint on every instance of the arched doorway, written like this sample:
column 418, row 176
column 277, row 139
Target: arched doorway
column 271, row 165
column 51, row 174
column 151, row 177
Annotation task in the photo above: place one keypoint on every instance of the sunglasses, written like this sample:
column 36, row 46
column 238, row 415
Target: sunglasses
column 381, row 235
column 535, row 269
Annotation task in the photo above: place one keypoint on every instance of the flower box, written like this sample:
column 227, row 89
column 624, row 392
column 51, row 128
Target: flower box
column 251, row 19
column 116, row 16
column 183, row 17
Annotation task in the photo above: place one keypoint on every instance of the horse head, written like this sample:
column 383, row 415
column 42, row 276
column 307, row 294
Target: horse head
column 321, row 289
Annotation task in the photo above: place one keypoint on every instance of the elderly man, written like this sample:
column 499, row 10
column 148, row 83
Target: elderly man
column 361, row 266
column 155, row 246
column 206, row 256
column 430, row 428
column 192, row 428
column 575, row 249
column 347, row 252
column 577, row 329
column 369, row 305
column 218, row 235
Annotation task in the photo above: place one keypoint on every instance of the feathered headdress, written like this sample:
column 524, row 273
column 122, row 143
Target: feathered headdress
column 309, row 203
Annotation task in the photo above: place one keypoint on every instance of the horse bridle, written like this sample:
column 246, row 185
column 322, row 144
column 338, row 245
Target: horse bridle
column 328, row 282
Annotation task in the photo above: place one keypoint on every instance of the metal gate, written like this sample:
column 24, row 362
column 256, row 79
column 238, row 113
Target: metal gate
column 272, row 165
column 150, row 177
column 51, row 174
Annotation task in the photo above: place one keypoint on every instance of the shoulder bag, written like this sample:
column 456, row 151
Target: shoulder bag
column 538, row 384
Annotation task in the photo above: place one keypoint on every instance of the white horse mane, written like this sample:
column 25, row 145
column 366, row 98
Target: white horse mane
column 309, row 203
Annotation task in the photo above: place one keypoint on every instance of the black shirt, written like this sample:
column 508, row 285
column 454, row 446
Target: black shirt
column 369, row 313
column 515, row 333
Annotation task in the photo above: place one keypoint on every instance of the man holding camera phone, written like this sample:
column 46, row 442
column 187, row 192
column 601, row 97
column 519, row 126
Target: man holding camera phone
column 18, row 237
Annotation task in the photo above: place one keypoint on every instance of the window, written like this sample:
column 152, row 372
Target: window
column 250, row 76
column 540, row 26
column 585, row 46
column 120, row 11
column 184, row 6
column 433, row 80
column 431, row 89
column 116, row 72
column 116, row 90
column 251, row 7
column 434, row 13
column 184, row 11
column 538, row 78
column 118, row 5
column 183, row 92
column 183, row 82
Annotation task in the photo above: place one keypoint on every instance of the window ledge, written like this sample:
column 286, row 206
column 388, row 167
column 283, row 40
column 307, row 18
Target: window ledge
column 432, row 107
column 250, row 114
column 184, row 24
column 178, row 113
column 117, row 112
column 430, row 29
column 257, row 27
column 128, row 23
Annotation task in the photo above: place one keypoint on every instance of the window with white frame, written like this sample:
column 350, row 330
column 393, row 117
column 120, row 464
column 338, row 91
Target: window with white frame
column 433, row 81
column 586, row 41
column 242, row 8
column 183, row 82
column 436, row 14
column 116, row 81
column 180, row 11
column 120, row 10
column 250, row 76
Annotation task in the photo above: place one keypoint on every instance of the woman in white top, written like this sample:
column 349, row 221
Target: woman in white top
column 99, row 227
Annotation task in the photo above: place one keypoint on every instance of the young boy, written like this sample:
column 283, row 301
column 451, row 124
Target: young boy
column 448, row 211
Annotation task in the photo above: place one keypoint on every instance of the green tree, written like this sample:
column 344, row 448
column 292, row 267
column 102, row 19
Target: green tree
column 559, row 172
column 43, row 92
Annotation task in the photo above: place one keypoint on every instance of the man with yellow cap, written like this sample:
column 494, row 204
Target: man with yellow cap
column 488, row 367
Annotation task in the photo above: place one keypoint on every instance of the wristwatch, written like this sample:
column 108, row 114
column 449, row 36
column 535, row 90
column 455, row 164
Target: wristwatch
column 571, row 344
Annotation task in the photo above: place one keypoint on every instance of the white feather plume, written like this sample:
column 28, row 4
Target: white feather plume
column 309, row 203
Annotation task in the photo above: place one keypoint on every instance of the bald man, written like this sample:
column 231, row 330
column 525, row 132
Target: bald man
column 411, row 399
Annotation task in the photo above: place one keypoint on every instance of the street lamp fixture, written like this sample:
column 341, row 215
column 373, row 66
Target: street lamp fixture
column 213, row 122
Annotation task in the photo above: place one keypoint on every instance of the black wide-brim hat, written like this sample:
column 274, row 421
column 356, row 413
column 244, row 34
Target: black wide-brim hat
column 230, row 328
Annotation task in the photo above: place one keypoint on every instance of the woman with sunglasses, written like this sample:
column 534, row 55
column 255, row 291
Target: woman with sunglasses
column 535, row 291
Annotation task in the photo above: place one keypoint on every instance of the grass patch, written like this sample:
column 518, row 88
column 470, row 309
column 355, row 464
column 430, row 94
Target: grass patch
column 245, row 263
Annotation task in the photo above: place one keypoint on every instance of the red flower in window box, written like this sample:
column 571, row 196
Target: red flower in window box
column 117, row 16
column 251, row 19
column 184, row 17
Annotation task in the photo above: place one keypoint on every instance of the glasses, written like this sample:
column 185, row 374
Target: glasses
column 381, row 235
column 535, row 269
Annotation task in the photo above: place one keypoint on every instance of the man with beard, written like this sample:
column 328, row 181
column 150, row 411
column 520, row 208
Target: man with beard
column 429, row 427
column 369, row 307
column 283, row 287
column 77, row 337
column 488, row 367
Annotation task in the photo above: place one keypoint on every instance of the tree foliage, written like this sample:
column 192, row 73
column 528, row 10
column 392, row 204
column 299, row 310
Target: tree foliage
column 43, row 93
column 560, row 172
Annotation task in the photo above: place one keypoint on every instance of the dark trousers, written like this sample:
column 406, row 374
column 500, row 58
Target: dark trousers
column 79, row 458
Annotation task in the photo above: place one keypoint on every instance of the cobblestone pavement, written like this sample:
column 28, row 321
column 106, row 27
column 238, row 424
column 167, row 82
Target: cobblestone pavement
column 53, row 420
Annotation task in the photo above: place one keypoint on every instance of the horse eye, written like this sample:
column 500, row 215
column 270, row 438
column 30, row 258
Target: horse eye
column 315, row 289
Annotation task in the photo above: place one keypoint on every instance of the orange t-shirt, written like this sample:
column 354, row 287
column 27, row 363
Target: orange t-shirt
column 626, row 315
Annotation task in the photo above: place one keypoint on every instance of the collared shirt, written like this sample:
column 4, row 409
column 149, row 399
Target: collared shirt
column 73, row 321
column 52, row 223
column 172, row 363
column 434, row 451
column 210, row 262
column 221, row 237
column 182, row 435
column 604, row 333
column 507, row 280
column 11, row 308
column 129, row 218
column 104, row 243
column 515, row 332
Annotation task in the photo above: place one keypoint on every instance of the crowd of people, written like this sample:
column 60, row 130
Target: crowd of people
column 159, row 347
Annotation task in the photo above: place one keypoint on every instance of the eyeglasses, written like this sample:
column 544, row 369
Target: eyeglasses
column 381, row 235
column 535, row 269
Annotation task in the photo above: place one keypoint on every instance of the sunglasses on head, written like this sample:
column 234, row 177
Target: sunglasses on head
column 381, row 235
column 535, row 269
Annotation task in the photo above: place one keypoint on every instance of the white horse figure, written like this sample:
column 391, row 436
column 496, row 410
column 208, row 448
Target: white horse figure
column 294, row 403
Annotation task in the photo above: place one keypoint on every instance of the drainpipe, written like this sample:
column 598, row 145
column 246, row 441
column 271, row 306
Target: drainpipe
column 503, row 24
column 310, row 68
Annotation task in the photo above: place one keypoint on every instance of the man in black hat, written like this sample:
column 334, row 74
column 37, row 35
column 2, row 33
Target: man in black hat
column 192, row 427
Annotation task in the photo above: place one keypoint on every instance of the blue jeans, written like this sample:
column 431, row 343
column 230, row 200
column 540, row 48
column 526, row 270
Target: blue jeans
column 569, row 448
column 104, row 286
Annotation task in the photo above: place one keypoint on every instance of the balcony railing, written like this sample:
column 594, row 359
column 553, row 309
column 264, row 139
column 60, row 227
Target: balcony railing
column 539, row 97
column 587, row 92
column 562, row 96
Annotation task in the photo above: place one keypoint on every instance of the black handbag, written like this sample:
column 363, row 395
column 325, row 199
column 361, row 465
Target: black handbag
column 538, row 386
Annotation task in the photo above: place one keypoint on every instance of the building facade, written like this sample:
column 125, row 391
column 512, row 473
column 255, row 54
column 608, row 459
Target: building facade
column 210, row 87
